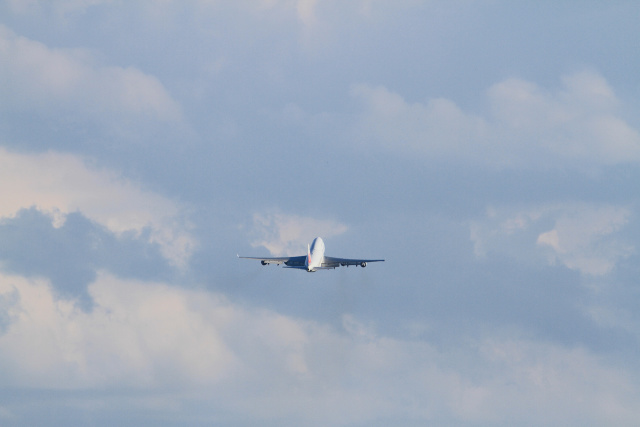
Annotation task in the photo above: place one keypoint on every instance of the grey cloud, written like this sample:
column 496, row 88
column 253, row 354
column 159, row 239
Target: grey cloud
column 70, row 255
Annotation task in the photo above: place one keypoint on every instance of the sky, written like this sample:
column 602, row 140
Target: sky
column 489, row 151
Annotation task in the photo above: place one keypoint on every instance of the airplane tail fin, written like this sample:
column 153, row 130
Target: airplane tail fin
column 308, row 254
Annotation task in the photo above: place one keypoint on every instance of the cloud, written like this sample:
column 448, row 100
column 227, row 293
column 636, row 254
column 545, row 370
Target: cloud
column 583, row 237
column 62, row 183
column 570, row 383
column 284, row 234
column 257, row 364
column 57, row 81
column 139, row 335
column 60, row 8
column 577, row 126
column 613, row 317
column 69, row 254
column 437, row 129
column 577, row 123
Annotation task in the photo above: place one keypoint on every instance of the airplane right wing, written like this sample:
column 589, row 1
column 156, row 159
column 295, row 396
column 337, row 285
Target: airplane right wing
column 331, row 262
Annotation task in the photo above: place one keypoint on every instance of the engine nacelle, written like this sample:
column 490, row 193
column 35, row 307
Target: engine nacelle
column 264, row 262
column 363, row 264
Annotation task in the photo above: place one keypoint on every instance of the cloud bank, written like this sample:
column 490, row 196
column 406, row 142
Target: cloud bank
column 59, row 184
column 146, row 336
column 526, row 126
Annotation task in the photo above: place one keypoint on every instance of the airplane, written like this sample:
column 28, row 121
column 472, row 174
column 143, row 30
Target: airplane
column 314, row 260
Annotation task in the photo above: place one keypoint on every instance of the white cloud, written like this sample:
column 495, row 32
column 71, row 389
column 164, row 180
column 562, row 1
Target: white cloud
column 437, row 129
column 306, row 12
column 63, row 183
column 614, row 318
column 526, row 126
column 572, row 385
column 263, row 365
column 139, row 335
column 503, row 228
column 576, row 124
column 284, row 234
column 583, row 237
column 37, row 78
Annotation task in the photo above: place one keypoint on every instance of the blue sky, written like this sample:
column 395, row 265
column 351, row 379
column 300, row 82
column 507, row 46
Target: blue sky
column 488, row 150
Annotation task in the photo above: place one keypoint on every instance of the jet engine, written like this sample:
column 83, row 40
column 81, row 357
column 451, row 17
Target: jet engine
column 363, row 264
column 264, row 262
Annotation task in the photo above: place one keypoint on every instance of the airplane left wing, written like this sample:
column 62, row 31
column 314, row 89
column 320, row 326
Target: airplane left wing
column 331, row 262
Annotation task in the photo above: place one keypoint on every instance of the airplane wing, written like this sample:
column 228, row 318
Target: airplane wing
column 331, row 262
column 291, row 261
column 300, row 261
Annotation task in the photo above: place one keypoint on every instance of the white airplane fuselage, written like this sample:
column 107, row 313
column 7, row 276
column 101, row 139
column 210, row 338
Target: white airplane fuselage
column 315, row 255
